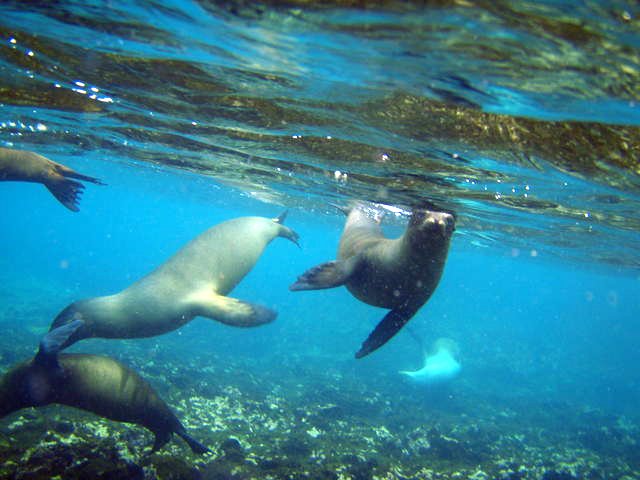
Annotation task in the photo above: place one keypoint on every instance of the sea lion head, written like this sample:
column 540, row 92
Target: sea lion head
column 432, row 226
column 26, row 385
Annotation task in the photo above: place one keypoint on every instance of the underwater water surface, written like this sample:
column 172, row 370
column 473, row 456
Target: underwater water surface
column 521, row 117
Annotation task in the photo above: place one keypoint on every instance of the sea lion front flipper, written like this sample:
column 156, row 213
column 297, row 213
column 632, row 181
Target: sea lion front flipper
column 234, row 312
column 387, row 328
column 326, row 275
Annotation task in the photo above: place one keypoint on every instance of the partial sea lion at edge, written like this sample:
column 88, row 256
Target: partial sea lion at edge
column 400, row 274
column 90, row 382
column 26, row 166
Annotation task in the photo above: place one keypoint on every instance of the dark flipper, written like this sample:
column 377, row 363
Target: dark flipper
column 161, row 440
column 196, row 446
column 387, row 328
column 53, row 341
column 163, row 437
column 281, row 218
column 286, row 232
column 86, row 178
column 326, row 275
column 289, row 234
column 68, row 192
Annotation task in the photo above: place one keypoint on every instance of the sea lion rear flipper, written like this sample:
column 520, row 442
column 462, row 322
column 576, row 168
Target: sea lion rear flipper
column 286, row 232
column 387, row 328
column 326, row 275
column 161, row 439
column 234, row 312
column 71, row 173
column 67, row 191
column 52, row 342
column 196, row 446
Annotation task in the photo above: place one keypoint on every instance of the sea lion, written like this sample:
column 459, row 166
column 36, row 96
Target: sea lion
column 439, row 366
column 192, row 283
column 25, row 166
column 90, row 382
column 400, row 274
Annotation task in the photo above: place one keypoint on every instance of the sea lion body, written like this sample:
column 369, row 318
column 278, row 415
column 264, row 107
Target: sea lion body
column 390, row 272
column 400, row 274
column 25, row 166
column 94, row 383
column 194, row 282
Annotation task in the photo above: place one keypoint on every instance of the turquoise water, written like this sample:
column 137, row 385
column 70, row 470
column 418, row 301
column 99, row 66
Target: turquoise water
column 521, row 117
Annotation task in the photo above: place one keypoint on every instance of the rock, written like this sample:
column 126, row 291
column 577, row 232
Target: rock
column 233, row 451
column 64, row 427
column 173, row 468
column 555, row 475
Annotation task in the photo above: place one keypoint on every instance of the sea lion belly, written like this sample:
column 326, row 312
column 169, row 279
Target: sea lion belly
column 388, row 276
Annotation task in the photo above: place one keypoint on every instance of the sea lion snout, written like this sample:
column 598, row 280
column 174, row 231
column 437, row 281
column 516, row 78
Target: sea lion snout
column 445, row 221
column 441, row 223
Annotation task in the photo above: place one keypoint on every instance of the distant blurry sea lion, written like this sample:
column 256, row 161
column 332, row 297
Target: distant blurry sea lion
column 94, row 383
column 438, row 366
column 25, row 166
column 400, row 274
column 194, row 282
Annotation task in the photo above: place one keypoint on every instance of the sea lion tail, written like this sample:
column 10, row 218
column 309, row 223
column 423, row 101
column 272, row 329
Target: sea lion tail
column 52, row 343
column 196, row 446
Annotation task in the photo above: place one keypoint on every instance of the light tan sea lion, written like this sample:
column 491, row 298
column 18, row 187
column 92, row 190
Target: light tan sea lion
column 400, row 274
column 194, row 282
column 94, row 383
column 24, row 166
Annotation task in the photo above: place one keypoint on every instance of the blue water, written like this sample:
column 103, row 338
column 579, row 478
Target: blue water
column 542, row 302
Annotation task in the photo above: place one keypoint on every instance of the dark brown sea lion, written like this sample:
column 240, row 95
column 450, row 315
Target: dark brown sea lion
column 94, row 383
column 194, row 282
column 400, row 274
column 25, row 166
